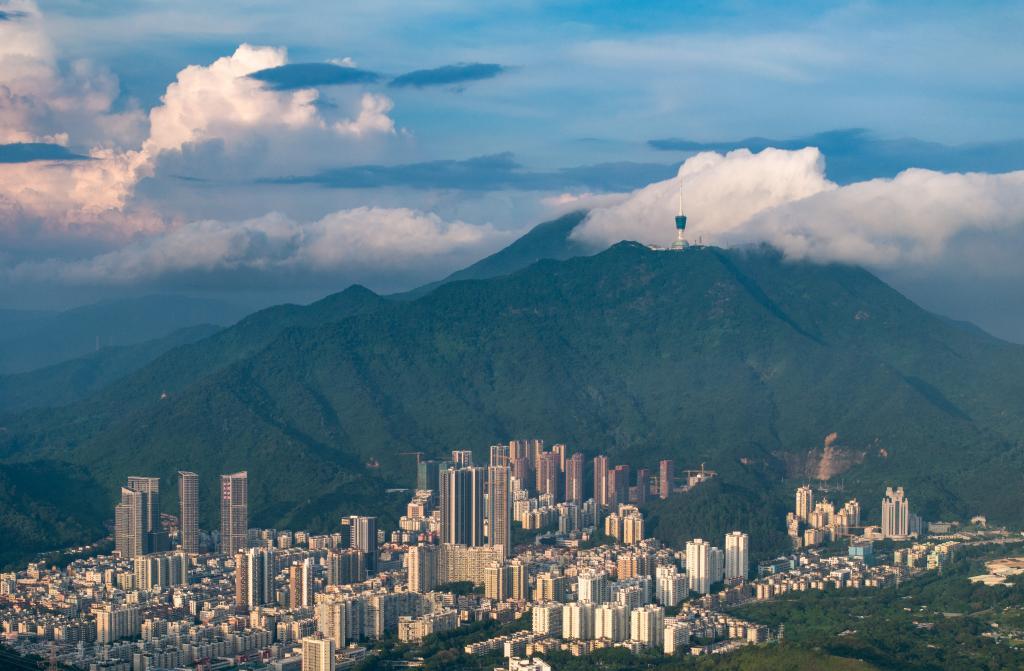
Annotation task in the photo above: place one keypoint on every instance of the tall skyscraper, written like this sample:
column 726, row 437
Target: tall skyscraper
column 346, row 566
column 574, row 478
column 234, row 512
column 300, row 584
column 188, row 521
column 129, row 524
column 317, row 654
column 154, row 538
column 698, row 566
column 254, row 577
column 618, row 485
column 548, row 474
column 559, row 451
column 499, row 509
column 362, row 535
column 601, row 480
column 499, row 455
column 462, row 506
column 737, row 562
column 895, row 514
column 666, row 477
column 804, row 503
column 462, row 457
column 643, row 484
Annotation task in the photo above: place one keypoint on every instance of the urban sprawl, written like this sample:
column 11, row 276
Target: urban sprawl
column 588, row 577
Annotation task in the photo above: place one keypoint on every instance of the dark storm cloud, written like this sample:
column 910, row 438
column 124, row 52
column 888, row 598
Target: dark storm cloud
column 25, row 152
column 10, row 16
column 307, row 75
column 486, row 173
column 448, row 74
column 856, row 154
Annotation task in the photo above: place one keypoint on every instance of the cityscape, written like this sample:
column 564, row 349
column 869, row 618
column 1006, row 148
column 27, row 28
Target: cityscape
column 173, row 595
column 511, row 336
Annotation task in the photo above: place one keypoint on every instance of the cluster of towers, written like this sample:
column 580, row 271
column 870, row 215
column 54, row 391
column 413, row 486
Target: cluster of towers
column 137, row 524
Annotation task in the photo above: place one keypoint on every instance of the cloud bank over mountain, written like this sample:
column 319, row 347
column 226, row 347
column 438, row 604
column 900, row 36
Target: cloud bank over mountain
column 783, row 198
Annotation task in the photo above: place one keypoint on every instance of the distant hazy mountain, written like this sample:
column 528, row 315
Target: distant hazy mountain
column 737, row 359
column 30, row 340
column 71, row 380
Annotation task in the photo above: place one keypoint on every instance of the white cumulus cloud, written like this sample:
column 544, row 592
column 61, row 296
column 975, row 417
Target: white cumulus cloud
column 361, row 238
column 784, row 198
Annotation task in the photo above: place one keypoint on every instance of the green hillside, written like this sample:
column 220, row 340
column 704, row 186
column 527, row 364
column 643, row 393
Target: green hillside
column 75, row 379
column 737, row 359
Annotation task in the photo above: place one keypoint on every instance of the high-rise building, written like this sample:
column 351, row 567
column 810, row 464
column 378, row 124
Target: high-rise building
column 547, row 618
column 254, row 577
column 666, row 477
column 559, row 451
column 551, row 587
column 234, row 512
column 895, row 514
column 426, row 475
column 129, row 524
column 647, row 626
column 362, row 535
column 737, row 562
column 160, row 571
column 618, row 485
column 499, row 509
column 698, row 566
column 574, row 478
column 578, row 620
column 611, row 622
column 643, row 484
column 548, row 474
column 601, row 480
column 804, row 503
column 462, row 458
column 155, row 539
column 345, row 566
column 300, row 584
column 317, row 654
column 716, row 564
column 462, row 506
column 519, row 580
column 421, row 567
column 670, row 586
column 497, row 581
column 519, row 461
column 188, row 521
column 593, row 587
column 499, row 455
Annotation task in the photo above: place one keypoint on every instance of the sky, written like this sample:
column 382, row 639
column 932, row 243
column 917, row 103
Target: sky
column 267, row 151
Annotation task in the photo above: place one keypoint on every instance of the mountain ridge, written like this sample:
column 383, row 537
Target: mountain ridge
column 736, row 358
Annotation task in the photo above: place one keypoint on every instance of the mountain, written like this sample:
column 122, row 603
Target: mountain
column 31, row 340
column 75, row 379
column 549, row 240
column 733, row 358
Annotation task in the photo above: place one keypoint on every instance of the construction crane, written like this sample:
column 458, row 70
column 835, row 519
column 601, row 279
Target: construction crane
column 419, row 456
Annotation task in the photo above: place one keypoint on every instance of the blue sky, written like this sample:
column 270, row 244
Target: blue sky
column 510, row 112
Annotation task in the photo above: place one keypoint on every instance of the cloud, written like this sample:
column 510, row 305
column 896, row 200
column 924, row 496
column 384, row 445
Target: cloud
column 482, row 173
column 448, row 74
column 856, row 154
column 363, row 238
column 310, row 75
column 45, row 104
column 918, row 218
column 25, row 152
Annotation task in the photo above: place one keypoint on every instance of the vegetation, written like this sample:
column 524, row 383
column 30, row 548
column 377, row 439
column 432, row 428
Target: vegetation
column 932, row 622
column 738, row 359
